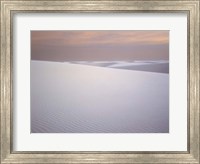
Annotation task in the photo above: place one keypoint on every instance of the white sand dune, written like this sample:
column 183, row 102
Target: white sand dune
column 73, row 98
column 150, row 67
column 160, row 66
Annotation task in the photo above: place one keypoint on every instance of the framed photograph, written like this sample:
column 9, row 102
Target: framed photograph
column 98, row 92
column 100, row 81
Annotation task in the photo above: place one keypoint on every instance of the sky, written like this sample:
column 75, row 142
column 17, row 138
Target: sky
column 100, row 45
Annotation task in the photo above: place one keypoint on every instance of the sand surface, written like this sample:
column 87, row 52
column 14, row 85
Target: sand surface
column 78, row 98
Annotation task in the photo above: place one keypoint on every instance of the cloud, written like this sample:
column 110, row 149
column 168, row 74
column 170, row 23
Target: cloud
column 83, row 38
column 99, row 45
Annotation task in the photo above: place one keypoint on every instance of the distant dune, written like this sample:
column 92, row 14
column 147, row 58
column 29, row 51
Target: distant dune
column 154, row 67
column 160, row 66
column 77, row 98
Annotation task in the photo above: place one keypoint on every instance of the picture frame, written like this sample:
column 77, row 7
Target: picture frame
column 10, row 8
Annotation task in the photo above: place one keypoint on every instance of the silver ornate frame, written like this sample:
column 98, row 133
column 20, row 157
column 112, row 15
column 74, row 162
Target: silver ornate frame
column 10, row 7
